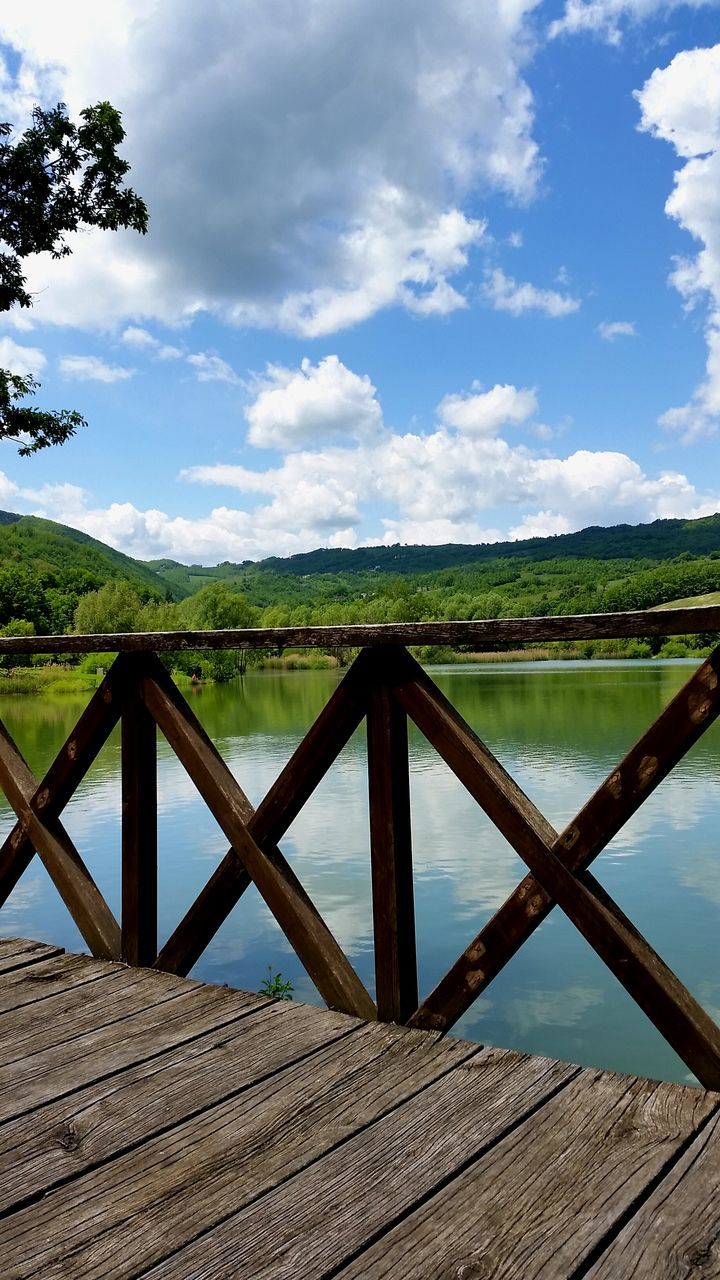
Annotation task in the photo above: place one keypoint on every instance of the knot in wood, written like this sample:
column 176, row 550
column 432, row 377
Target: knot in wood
column 615, row 785
column 71, row 748
column 698, row 707
column 69, row 1138
column 43, row 798
column 647, row 769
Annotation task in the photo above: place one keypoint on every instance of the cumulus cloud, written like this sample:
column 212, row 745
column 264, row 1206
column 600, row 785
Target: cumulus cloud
column 293, row 199
column 680, row 104
column 485, row 412
column 24, row 361
column 609, row 330
column 92, row 369
column 606, row 18
column 311, row 404
column 506, row 294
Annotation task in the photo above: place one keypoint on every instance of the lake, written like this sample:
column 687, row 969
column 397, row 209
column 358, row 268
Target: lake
column 559, row 728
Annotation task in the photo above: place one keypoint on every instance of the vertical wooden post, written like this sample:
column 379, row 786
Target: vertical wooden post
column 139, row 831
column 391, row 857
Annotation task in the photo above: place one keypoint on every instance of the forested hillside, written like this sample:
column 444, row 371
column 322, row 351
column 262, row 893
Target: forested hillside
column 54, row 578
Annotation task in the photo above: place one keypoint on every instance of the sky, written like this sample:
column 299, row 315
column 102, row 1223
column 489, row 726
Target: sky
column 415, row 272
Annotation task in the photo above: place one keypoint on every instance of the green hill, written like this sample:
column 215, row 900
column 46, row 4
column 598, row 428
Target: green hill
column 43, row 546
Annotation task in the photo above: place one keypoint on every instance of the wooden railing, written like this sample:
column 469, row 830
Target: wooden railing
column 384, row 686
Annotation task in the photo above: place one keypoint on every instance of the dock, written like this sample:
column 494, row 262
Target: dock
column 153, row 1126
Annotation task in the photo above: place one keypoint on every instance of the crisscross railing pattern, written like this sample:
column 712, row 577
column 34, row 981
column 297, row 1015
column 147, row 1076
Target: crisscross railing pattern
column 384, row 686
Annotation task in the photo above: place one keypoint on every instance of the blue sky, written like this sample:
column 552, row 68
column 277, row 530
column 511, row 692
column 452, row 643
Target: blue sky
column 415, row 273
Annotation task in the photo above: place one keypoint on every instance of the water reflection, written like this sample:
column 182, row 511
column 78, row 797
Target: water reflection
column 558, row 728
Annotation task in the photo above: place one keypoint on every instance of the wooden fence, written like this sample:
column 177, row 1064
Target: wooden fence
column 385, row 686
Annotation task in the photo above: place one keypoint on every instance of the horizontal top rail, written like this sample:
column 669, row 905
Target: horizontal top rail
column 578, row 626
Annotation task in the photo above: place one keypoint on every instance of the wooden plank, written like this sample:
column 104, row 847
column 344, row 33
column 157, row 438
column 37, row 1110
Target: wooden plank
column 486, row 633
column 127, row 1215
column 654, row 987
column 139, row 828
column 674, row 1233
column 16, row 953
column 137, row 1023
column 47, row 977
column 308, row 765
column 215, row 1047
column 61, row 859
column 306, row 931
column 539, row 1203
column 651, row 759
column 320, row 1216
column 66, row 772
column 391, row 858
column 68, row 1014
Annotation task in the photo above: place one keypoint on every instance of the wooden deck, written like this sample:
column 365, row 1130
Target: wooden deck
column 155, row 1126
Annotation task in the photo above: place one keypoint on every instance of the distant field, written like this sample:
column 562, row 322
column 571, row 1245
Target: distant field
column 690, row 601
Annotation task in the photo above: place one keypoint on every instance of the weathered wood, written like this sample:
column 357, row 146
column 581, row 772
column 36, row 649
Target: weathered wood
column 17, row 953
column 493, row 631
column 654, row 987
column 329, row 1210
column 59, row 855
column 308, row 765
column 150, row 1201
column 66, row 772
column 215, row 1047
column 138, row 1023
column 648, row 762
column 305, row 929
column 47, row 977
column 391, row 858
column 139, row 829
column 674, row 1235
column 545, row 1197
column 166, row 1129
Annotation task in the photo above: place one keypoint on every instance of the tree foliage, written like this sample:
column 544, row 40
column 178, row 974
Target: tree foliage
column 56, row 178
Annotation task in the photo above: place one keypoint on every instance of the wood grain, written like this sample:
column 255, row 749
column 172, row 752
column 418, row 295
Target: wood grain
column 485, row 634
column 17, row 953
column 216, row 1046
column 331, row 1208
column 396, row 984
column 139, row 826
column 123, row 1217
column 542, row 1200
column 675, row 1235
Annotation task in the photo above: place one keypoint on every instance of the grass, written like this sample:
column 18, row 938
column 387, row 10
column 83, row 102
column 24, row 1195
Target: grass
column 47, row 680
column 690, row 602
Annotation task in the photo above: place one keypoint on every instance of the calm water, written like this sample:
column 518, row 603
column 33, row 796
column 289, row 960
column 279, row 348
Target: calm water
column 558, row 728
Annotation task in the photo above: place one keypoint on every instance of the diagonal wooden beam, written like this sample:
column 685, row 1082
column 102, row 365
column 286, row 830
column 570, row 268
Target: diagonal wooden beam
column 652, row 758
column 297, row 916
column 59, row 856
column 319, row 749
column 654, row 987
column 67, row 771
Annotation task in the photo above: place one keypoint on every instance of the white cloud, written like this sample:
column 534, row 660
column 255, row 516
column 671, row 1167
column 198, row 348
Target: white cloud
column 142, row 340
column 294, row 200
column 544, row 524
column 312, row 404
column 92, row 369
column 606, row 17
column 212, row 368
column 507, row 295
column 485, row 412
column 609, row 330
column 680, row 103
column 24, row 361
